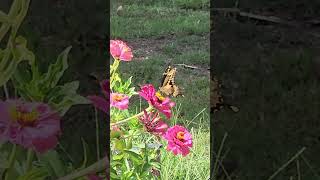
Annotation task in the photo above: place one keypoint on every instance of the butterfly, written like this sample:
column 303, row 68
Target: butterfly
column 168, row 86
column 217, row 101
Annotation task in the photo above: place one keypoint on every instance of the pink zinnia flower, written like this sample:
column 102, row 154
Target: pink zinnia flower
column 153, row 123
column 99, row 102
column 179, row 140
column 163, row 104
column 29, row 124
column 119, row 50
column 119, row 101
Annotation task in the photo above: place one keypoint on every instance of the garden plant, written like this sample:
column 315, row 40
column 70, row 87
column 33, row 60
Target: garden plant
column 136, row 139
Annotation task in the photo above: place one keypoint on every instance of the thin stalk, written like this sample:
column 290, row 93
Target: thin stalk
column 310, row 166
column 97, row 133
column 215, row 167
column 13, row 11
column 30, row 156
column 65, row 152
column 6, row 92
column 11, row 160
column 298, row 169
column 287, row 163
column 132, row 117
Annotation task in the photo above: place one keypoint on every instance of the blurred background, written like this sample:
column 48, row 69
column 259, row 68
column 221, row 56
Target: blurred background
column 266, row 54
column 50, row 27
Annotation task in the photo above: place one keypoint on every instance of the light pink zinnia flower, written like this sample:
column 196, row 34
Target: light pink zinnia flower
column 119, row 101
column 163, row 104
column 119, row 50
column 153, row 123
column 99, row 102
column 179, row 140
column 29, row 124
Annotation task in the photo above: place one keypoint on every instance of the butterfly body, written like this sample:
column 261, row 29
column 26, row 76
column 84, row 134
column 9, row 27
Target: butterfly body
column 168, row 86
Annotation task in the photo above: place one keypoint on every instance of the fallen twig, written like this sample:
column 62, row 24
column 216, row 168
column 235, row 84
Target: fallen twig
column 191, row 67
column 272, row 19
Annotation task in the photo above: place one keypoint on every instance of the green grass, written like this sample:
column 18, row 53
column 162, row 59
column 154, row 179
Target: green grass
column 139, row 20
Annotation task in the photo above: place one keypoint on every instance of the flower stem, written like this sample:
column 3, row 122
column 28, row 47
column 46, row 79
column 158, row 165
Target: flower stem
column 96, row 167
column 6, row 90
column 97, row 133
column 132, row 117
column 30, row 156
column 113, row 69
column 11, row 160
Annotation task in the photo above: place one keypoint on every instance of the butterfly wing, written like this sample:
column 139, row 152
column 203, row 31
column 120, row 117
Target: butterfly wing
column 166, row 76
column 168, row 86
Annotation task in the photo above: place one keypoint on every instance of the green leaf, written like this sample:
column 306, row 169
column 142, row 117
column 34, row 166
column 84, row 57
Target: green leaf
column 113, row 174
column 134, row 156
column 4, row 18
column 63, row 97
column 53, row 163
column 18, row 54
column 115, row 134
column 56, row 70
column 129, row 143
column 35, row 174
column 21, row 52
column 117, row 157
column 120, row 144
column 85, row 159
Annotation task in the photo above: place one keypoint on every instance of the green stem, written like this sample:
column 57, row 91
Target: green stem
column 100, row 165
column 114, row 67
column 6, row 26
column 132, row 117
column 11, row 160
column 215, row 166
column 30, row 156
column 6, row 92
column 97, row 133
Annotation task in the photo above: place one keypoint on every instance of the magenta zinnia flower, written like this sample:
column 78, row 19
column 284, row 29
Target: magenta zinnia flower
column 179, row 140
column 99, row 102
column 119, row 50
column 163, row 104
column 29, row 124
column 153, row 123
column 119, row 101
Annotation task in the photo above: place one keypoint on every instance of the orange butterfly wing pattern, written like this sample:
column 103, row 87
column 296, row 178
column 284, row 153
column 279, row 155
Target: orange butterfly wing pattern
column 168, row 86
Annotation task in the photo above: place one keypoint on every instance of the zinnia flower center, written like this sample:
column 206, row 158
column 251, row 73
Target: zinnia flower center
column 180, row 135
column 126, row 49
column 160, row 97
column 117, row 98
column 24, row 118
